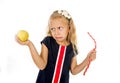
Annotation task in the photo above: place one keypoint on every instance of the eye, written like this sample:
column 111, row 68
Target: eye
column 60, row 28
column 52, row 29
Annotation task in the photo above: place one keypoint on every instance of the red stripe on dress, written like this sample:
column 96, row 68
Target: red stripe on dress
column 59, row 64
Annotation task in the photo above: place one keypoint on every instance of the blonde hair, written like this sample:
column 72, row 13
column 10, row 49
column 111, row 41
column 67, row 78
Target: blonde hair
column 72, row 38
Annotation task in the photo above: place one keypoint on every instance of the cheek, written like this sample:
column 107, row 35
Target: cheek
column 52, row 34
column 66, row 33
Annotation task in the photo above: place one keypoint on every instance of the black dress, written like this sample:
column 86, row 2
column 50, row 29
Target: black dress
column 46, row 75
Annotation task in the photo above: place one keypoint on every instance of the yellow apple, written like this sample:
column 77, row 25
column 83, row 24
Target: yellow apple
column 23, row 35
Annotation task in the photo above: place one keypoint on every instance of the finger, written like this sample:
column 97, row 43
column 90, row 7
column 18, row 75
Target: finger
column 17, row 39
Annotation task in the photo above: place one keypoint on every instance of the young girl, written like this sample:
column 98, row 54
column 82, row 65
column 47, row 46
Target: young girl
column 58, row 50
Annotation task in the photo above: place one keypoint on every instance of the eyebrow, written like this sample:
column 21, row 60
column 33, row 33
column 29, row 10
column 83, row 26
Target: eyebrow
column 57, row 27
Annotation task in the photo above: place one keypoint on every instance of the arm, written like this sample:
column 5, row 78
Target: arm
column 39, row 59
column 77, row 68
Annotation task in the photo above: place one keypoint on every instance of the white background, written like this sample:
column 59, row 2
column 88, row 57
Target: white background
column 99, row 17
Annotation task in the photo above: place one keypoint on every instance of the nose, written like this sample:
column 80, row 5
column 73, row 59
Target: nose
column 56, row 32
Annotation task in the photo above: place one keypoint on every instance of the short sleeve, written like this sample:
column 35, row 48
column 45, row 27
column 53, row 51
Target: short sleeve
column 46, row 41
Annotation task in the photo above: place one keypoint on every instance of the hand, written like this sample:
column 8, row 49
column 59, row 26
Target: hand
column 92, row 54
column 21, row 42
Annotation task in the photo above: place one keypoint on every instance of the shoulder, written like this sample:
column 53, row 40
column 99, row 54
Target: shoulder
column 72, row 50
column 47, row 41
column 48, row 38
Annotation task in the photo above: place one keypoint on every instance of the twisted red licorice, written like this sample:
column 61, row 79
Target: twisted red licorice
column 89, row 58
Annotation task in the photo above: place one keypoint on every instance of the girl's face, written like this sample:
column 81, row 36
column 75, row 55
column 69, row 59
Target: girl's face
column 59, row 29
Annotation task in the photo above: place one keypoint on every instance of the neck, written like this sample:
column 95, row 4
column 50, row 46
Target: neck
column 64, row 43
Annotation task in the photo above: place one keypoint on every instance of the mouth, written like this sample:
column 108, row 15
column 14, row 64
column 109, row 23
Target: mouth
column 57, row 38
